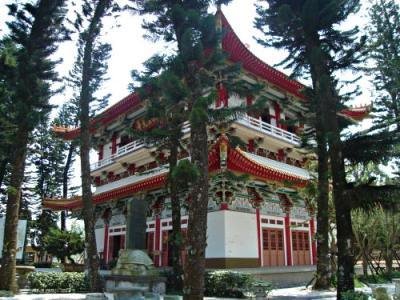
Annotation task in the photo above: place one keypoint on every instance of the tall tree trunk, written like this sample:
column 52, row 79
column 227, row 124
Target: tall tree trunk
column 93, row 262
column 8, row 262
column 323, row 263
column 325, row 90
column 176, row 236
column 3, row 169
column 345, row 268
column 364, row 264
column 197, row 227
column 67, row 167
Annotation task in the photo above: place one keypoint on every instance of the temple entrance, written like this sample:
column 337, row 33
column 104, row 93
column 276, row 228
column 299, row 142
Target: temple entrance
column 273, row 253
column 166, row 248
column 150, row 244
column 265, row 115
column 301, row 248
column 116, row 243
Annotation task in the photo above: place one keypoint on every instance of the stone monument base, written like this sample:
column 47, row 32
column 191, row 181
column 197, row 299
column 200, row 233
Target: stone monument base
column 125, row 287
column 134, row 277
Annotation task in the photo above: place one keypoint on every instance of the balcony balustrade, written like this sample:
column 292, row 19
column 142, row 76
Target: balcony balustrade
column 269, row 129
column 128, row 148
column 245, row 120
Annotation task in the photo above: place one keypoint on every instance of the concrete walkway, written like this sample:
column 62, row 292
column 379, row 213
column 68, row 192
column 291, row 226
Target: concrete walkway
column 301, row 292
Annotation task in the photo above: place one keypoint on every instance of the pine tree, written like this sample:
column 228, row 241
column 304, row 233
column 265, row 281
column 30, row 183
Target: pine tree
column 68, row 116
column 35, row 30
column 314, row 119
column 48, row 156
column 199, row 66
column 89, row 72
column 384, row 46
column 7, row 128
column 309, row 31
column 166, row 103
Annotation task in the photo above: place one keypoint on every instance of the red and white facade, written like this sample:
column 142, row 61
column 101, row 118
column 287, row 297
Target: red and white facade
column 260, row 222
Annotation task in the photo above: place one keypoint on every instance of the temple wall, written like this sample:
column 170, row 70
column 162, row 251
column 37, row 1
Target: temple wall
column 99, row 233
column 107, row 150
column 216, row 234
column 237, row 227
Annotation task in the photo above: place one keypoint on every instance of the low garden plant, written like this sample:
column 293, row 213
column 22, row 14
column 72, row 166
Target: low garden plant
column 352, row 295
column 69, row 282
column 379, row 278
column 226, row 284
column 231, row 284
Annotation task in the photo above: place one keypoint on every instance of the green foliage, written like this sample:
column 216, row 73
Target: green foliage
column 384, row 50
column 40, row 228
column 38, row 24
column 228, row 284
column 4, row 293
column 372, row 146
column 63, row 243
column 379, row 278
column 50, row 282
column 352, row 295
column 185, row 174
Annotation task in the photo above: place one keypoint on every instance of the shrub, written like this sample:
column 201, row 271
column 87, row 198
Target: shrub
column 42, row 264
column 227, row 284
column 62, row 244
column 4, row 293
column 352, row 295
column 58, row 282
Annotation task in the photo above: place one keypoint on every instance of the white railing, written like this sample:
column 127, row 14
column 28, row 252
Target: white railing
column 269, row 129
column 245, row 120
column 131, row 147
column 186, row 127
column 101, row 163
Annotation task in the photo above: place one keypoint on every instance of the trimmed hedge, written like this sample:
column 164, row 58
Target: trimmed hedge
column 353, row 295
column 230, row 284
column 69, row 282
column 224, row 284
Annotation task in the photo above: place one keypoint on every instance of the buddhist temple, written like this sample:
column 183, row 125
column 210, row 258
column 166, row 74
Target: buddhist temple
column 262, row 221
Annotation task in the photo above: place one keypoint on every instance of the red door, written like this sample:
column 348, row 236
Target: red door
column 183, row 248
column 166, row 259
column 273, row 253
column 301, row 248
column 150, row 244
column 164, row 248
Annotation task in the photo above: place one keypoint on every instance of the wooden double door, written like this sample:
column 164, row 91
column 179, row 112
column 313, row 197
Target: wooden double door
column 301, row 247
column 273, row 251
column 166, row 256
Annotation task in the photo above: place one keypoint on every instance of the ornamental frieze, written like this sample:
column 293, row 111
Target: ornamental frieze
column 298, row 212
column 117, row 220
column 271, row 209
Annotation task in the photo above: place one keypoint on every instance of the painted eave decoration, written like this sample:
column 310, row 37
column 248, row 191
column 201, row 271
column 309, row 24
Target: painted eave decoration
column 237, row 52
column 237, row 161
column 357, row 113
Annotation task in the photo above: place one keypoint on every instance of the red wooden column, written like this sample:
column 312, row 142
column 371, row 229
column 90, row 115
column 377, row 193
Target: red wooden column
column 106, row 218
column 122, row 241
column 277, row 109
column 224, row 206
column 157, row 239
column 258, row 219
column 105, row 249
column 101, row 152
column 288, row 238
column 313, row 241
column 251, row 146
column 114, row 143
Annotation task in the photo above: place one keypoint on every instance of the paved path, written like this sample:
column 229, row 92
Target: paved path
column 277, row 294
